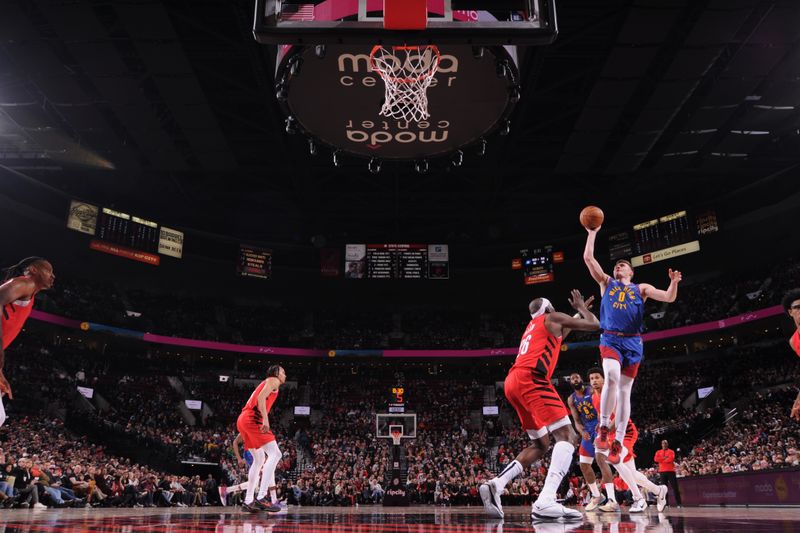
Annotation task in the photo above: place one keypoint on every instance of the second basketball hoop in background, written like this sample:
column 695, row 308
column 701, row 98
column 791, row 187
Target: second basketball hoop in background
column 407, row 72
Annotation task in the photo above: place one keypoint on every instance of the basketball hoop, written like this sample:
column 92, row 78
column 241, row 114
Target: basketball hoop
column 396, row 433
column 407, row 71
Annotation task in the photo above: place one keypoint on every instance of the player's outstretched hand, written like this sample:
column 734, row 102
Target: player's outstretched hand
column 675, row 275
column 589, row 302
column 595, row 230
column 576, row 301
column 5, row 388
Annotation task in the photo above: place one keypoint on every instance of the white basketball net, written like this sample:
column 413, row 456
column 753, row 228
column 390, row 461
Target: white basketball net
column 408, row 72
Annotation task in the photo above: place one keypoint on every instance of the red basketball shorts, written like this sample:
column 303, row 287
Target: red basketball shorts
column 250, row 429
column 536, row 401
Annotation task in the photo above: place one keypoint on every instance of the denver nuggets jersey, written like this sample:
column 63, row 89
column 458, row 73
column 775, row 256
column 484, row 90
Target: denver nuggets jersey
column 622, row 308
column 585, row 406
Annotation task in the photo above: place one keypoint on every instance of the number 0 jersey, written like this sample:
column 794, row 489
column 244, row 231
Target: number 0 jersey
column 538, row 349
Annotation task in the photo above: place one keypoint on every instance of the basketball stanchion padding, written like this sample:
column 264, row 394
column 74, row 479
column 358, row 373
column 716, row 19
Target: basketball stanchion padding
column 405, row 14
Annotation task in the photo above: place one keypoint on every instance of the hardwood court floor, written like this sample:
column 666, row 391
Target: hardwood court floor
column 389, row 520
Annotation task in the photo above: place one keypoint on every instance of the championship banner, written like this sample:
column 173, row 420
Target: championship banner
column 82, row 217
column 170, row 242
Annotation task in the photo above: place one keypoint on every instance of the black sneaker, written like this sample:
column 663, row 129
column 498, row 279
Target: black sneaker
column 266, row 504
column 250, row 508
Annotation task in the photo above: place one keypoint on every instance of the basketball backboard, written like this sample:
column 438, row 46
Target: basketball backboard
column 384, row 422
column 474, row 22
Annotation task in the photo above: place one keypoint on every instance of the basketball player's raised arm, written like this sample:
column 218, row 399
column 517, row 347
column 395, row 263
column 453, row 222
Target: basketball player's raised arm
column 669, row 295
column 566, row 323
column 588, row 257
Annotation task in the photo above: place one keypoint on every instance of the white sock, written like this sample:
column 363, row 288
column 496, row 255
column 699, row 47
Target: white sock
column 559, row 465
column 645, row 483
column 623, row 413
column 610, row 492
column 608, row 396
column 252, row 474
column 510, row 472
column 268, row 474
column 236, row 488
column 628, row 477
column 594, row 489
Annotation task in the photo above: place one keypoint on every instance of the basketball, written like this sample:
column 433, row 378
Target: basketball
column 591, row 217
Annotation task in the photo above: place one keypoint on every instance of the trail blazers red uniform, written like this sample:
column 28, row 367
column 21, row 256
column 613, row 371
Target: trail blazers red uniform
column 249, row 422
column 528, row 386
column 14, row 316
column 795, row 342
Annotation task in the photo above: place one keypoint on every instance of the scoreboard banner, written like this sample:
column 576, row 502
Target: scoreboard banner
column 662, row 233
column 354, row 261
column 397, row 261
column 123, row 251
column 170, row 242
column 82, row 217
column 121, row 228
column 666, row 253
column 254, row 262
column 537, row 265
column 438, row 261
column 330, row 262
column 619, row 246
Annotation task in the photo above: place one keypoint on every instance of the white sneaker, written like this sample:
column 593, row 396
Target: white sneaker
column 490, row 496
column 38, row 505
column 594, row 503
column 610, row 507
column 550, row 510
column 661, row 502
column 638, row 506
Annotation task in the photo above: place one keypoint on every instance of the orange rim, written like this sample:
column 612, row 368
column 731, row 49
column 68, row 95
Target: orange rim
column 377, row 48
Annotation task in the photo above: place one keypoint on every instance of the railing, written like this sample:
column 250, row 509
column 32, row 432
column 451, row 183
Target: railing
column 743, row 318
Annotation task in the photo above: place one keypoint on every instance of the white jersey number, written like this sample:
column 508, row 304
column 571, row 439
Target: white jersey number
column 523, row 347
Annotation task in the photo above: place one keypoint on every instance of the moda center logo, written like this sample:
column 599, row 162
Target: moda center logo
column 377, row 133
column 337, row 99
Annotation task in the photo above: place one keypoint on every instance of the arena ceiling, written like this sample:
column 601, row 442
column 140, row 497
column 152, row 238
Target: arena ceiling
column 167, row 109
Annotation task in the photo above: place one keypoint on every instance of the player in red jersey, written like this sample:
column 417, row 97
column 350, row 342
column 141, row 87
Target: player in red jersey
column 253, row 425
column 21, row 284
column 791, row 304
column 540, row 409
column 627, row 470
